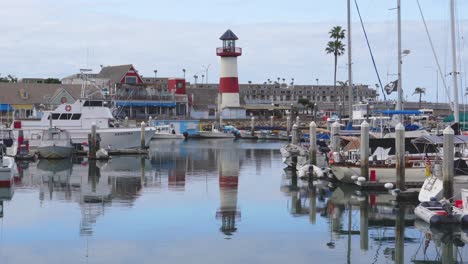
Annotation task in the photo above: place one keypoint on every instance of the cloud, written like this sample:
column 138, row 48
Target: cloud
column 56, row 40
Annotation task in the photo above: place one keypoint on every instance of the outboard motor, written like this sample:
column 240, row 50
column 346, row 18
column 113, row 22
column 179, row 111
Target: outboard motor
column 185, row 135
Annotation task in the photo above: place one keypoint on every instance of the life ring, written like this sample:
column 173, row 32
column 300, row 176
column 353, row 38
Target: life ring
column 68, row 108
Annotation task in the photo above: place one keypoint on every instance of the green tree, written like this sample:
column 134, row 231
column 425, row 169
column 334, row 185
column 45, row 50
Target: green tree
column 9, row 79
column 420, row 91
column 337, row 48
column 52, row 80
column 304, row 102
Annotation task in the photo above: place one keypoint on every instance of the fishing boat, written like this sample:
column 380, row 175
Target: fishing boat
column 77, row 119
column 166, row 132
column 215, row 133
column 55, row 144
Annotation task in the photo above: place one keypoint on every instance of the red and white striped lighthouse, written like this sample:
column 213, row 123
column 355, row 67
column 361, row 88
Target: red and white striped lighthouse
column 228, row 82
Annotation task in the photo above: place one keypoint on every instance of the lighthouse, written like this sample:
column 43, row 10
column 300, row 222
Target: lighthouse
column 228, row 82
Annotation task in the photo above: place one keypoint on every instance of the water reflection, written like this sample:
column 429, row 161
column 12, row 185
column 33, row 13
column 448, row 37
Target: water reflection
column 215, row 196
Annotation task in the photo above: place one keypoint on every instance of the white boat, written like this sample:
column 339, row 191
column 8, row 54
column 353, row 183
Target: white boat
column 215, row 133
column 55, row 144
column 77, row 119
column 414, row 172
column 166, row 132
column 7, row 139
column 7, row 171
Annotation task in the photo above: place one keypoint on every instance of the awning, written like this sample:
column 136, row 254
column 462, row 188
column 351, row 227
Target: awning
column 397, row 112
column 144, row 103
column 6, row 108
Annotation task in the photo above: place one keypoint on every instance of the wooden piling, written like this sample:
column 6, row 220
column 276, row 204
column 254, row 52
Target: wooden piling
column 447, row 162
column 295, row 134
column 272, row 119
column 298, row 121
column 335, row 137
column 288, row 124
column 364, row 149
column 400, row 155
column 313, row 143
column 92, row 138
column 252, row 126
column 142, row 136
column 126, row 121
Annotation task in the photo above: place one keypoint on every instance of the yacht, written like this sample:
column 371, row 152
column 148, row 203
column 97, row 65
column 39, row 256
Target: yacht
column 77, row 119
column 56, row 144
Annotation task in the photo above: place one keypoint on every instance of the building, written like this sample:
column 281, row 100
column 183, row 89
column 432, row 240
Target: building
column 26, row 98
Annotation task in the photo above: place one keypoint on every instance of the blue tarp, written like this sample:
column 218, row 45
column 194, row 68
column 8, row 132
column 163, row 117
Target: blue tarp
column 135, row 104
column 6, row 108
column 398, row 112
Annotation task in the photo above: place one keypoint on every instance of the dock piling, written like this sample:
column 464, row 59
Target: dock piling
column 288, row 124
column 126, row 121
column 447, row 163
column 313, row 143
column 272, row 121
column 400, row 155
column 295, row 135
column 92, row 138
column 142, row 136
column 252, row 126
column 335, row 137
column 364, row 149
column 298, row 121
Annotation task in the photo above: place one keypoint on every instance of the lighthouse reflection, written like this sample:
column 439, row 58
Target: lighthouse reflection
column 228, row 213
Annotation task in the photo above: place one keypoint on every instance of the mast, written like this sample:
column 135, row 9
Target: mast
column 399, row 105
column 350, row 73
column 456, row 111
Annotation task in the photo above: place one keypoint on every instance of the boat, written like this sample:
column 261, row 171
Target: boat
column 7, row 170
column 7, row 139
column 215, row 133
column 77, row 119
column 294, row 156
column 166, row 132
column 56, row 144
column 247, row 134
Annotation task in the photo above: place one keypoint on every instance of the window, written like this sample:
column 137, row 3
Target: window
column 65, row 116
column 76, row 117
column 92, row 103
column 55, row 116
column 130, row 79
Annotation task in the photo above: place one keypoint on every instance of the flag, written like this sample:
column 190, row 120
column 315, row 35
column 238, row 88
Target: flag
column 391, row 87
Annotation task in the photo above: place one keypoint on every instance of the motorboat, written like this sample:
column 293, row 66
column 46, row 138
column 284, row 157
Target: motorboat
column 7, row 139
column 7, row 170
column 78, row 118
column 215, row 133
column 56, row 144
column 166, row 132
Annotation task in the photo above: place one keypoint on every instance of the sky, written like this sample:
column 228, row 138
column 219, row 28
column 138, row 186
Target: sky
column 286, row 39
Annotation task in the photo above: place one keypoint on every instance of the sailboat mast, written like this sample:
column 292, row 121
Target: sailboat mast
column 399, row 105
column 456, row 111
column 350, row 73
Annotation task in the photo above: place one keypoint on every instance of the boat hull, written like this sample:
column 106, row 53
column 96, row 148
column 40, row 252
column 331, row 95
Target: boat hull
column 343, row 173
column 167, row 136
column 112, row 138
column 210, row 134
column 55, row 152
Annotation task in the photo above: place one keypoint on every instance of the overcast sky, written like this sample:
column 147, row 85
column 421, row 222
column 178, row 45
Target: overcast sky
column 55, row 38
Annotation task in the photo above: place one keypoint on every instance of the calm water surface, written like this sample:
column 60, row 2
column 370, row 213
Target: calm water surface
column 207, row 201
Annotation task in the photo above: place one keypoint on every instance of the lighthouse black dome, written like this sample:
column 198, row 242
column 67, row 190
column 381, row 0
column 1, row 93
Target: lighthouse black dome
column 229, row 35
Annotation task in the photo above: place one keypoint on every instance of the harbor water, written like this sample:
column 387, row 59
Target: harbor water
column 206, row 201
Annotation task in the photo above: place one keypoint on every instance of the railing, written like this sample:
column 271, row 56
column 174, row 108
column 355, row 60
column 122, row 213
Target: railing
column 226, row 51
column 180, row 98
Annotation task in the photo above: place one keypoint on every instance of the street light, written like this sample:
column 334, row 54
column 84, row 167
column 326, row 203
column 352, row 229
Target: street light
column 206, row 71
column 183, row 70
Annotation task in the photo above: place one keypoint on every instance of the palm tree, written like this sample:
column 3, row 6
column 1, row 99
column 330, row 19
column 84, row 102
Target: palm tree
column 335, row 47
column 420, row 91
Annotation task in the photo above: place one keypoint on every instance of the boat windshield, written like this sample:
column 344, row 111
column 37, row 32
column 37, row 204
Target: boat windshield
column 55, row 135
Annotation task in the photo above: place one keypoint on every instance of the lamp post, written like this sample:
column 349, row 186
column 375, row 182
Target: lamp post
column 206, row 71
column 155, row 75
column 183, row 70
column 317, row 80
column 315, row 111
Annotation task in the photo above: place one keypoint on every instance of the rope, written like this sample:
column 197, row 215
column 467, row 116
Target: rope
column 370, row 51
column 435, row 55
